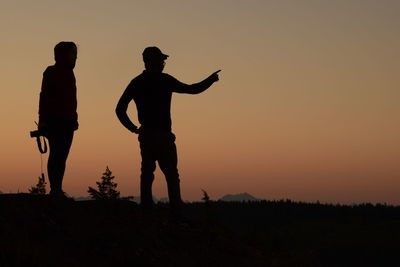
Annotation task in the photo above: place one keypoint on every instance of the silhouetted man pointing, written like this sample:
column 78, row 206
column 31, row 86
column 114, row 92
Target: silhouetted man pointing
column 152, row 92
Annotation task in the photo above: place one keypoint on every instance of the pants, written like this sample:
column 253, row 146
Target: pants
column 159, row 146
column 59, row 144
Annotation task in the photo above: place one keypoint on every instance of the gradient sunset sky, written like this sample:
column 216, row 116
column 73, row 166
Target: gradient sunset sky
column 307, row 106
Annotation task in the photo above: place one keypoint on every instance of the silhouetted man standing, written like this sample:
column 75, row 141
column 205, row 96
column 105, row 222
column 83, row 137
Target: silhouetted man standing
column 152, row 91
column 58, row 118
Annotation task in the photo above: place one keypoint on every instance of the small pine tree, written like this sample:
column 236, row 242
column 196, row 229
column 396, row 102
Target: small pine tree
column 206, row 197
column 40, row 188
column 106, row 188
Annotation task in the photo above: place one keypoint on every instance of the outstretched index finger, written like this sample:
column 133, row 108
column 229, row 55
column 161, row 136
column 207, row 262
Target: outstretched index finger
column 217, row 71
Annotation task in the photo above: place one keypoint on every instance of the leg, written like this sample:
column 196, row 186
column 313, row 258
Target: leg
column 60, row 144
column 168, row 161
column 147, row 173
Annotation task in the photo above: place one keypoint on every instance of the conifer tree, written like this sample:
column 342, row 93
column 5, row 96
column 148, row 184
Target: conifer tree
column 40, row 188
column 106, row 188
column 206, row 197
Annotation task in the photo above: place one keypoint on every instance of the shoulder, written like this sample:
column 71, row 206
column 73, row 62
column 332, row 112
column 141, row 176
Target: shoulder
column 49, row 70
column 50, row 74
column 137, row 80
column 169, row 78
column 134, row 84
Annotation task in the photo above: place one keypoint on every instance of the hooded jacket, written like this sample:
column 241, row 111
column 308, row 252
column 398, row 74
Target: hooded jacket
column 58, row 102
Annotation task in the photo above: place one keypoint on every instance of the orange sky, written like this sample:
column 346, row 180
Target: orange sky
column 306, row 107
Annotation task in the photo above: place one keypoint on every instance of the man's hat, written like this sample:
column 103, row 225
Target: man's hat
column 153, row 52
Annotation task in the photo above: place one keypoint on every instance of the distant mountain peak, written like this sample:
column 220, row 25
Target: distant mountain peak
column 239, row 197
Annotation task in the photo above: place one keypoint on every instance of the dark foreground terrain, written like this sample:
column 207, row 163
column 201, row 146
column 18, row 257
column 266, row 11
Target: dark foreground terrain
column 38, row 231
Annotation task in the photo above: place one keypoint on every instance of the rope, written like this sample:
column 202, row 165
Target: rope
column 41, row 163
column 42, row 150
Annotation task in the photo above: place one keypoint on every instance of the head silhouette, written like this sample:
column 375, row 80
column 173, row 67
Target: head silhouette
column 65, row 54
column 154, row 59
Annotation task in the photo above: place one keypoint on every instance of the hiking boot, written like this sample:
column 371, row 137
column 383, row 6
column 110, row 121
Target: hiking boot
column 59, row 194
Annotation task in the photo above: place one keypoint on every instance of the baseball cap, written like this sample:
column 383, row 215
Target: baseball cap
column 153, row 52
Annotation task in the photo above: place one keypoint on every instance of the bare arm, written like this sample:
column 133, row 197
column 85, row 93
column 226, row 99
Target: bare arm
column 197, row 88
column 121, row 109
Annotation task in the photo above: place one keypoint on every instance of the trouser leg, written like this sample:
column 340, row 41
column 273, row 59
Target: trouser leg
column 59, row 144
column 146, row 182
column 147, row 174
column 168, row 161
